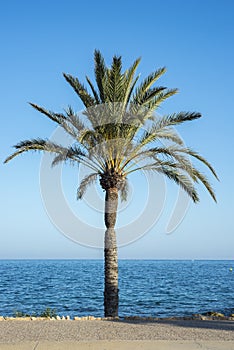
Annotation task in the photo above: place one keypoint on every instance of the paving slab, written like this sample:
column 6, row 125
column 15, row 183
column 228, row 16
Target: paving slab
column 121, row 345
column 19, row 346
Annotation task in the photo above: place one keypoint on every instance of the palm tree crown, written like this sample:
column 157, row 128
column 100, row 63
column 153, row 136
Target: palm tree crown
column 121, row 133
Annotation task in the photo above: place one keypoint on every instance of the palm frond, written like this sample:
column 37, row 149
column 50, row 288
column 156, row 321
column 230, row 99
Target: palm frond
column 146, row 84
column 74, row 119
column 159, row 127
column 195, row 174
column 37, row 145
column 201, row 159
column 169, row 134
column 113, row 87
column 61, row 158
column 152, row 93
column 88, row 180
column 58, row 118
column 144, row 110
column 153, row 104
column 64, row 121
column 95, row 94
column 185, row 164
column 205, row 182
column 124, row 189
column 80, row 89
column 173, row 172
column 72, row 153
column 188, row 151
column 182, row 180
column 176, row 119
column 88, row 137
column 154, row 135
column 130, row 82
column 100, row 72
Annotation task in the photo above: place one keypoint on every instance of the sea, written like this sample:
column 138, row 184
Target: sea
column 157, row 288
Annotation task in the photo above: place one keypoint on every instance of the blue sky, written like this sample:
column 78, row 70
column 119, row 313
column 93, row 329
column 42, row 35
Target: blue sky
column 40, row 40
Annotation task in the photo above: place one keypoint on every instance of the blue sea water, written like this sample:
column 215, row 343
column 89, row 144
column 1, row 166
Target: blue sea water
column 159, row 288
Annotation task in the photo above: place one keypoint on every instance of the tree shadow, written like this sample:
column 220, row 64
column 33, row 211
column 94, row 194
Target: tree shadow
column 225, row 325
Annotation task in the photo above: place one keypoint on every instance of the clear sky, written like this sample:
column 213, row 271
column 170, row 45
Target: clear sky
column 41, row 39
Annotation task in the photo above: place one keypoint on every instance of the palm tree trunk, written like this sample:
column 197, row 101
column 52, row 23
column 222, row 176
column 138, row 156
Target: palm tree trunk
column 111, row 292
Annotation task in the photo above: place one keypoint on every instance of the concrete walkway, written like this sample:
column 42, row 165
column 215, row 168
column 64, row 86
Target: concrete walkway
column 122, row 345
column 117, row 335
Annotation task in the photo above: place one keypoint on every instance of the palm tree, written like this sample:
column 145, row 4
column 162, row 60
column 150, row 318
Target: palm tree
column 118, row 134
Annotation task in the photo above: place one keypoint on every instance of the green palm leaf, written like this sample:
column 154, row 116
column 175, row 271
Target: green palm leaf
column 80, row 89
column 37, row 145
column 138, row 97
column 100, row 73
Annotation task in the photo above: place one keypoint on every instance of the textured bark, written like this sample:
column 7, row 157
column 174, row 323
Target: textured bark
column 111, row 292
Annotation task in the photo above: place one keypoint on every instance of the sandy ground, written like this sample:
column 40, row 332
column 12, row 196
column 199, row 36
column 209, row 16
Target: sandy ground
column 101, row 335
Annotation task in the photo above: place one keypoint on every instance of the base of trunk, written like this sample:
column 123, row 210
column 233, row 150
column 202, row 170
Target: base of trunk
column 111, row 302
